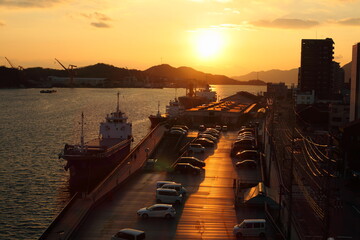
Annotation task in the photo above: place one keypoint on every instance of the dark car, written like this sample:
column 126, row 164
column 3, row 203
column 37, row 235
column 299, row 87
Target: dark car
column 186, row 168
column 243, row 144
column 205, row 142
column 208, row 136
column 192, row 160
column 252, row 130
column 246, row 164
column 248, row 154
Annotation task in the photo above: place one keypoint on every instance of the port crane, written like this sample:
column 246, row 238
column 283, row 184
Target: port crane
column 19, row 67
column 70, row 71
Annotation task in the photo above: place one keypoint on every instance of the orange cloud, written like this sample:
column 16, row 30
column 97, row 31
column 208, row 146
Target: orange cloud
column 350, row 22
column 286, row 23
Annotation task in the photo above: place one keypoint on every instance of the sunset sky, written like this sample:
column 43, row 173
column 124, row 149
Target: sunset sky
column 231, row 37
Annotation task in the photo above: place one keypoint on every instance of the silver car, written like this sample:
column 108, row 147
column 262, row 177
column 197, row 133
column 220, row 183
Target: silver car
column 157, row 210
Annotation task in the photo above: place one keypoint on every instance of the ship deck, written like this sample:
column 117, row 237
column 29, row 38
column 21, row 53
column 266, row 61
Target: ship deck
column 108, row 142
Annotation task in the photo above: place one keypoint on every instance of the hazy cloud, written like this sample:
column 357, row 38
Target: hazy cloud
column 286, row 23
column 243, row 26
column 100, row 24
column 29, row 3
column 231, row 10
column 99, row 20
column 221, row 1
column 350, row 22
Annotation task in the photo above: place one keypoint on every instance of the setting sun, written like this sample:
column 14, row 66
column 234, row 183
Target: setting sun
column 209, row 43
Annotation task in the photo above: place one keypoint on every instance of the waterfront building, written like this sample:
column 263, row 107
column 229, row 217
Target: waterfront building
column 66, row 81
column 276, row 90
column 305, row 98
column 316, row 71
column 355, row 84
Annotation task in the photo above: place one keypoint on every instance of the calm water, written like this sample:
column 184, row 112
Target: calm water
column 34, row 128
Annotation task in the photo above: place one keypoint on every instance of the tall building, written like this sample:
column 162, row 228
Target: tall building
column 355, row 84
column 316, row 71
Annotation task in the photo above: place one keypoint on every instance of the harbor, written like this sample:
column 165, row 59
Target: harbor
column 36, row 184
column 218, row 185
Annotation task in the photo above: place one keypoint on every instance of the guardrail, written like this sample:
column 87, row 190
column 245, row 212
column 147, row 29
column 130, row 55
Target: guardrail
column 76, row 210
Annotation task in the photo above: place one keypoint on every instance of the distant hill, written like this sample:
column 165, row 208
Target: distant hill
column 186, row 73
column 275, row 76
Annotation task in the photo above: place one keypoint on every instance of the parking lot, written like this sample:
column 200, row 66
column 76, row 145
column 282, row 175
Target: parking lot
column 208, row 211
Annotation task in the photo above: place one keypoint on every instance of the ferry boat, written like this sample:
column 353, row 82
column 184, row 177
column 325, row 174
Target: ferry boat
column 90, row 162
column 194, row 98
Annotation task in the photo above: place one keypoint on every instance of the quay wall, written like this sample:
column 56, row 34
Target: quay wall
column 76, row 210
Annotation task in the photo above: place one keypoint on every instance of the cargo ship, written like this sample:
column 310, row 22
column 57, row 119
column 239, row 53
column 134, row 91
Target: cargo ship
column 90, row 162
column 194, row 97
column 173, row 111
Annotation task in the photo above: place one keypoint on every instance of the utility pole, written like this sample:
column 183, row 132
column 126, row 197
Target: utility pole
column 292, row 125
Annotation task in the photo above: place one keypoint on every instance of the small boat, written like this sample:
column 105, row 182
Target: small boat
column 48, row 91
column 90, row 162
column 158, row 118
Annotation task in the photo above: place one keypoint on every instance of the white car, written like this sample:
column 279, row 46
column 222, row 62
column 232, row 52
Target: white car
column 129, row 233
column 196, row 148
column 157, row 210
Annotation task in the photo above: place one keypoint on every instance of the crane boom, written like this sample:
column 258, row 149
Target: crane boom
column 62, row 65
column 9, row 62
column 70, row 71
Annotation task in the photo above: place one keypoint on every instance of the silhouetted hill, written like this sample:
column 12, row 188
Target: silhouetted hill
column 187, row 74
column 161, row 75
column 275, row 76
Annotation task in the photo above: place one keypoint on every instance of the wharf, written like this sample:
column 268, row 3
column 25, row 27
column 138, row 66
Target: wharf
column 207, row 213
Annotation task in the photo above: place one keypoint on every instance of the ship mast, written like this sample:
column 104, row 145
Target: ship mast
column 82, row 132
column 117, row 107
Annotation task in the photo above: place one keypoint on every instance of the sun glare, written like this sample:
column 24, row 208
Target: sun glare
column 209, row 44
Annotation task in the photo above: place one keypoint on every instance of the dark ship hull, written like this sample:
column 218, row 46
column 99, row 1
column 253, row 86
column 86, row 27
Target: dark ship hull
column 93, row 165
column 156, row 119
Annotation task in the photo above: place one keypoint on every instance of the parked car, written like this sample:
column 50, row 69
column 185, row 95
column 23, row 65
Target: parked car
column 176, row 186
column 129, row 233
column 202, row 128
column 182, row 127
column 248, row 163
column 159, row 184
column 212, row 130
column 192, row 160
column 204, row 142
column 208, row 136
column 250, row 228
column 224, row 128
column 215, row 134
column 247, row 154
column 186, row 168
column 246, row 129
column 218, row 127
column 157, row 210
column 177, row 132
column 164, row 195
column 196, row 148
column 179, row 129
column 150, row 164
